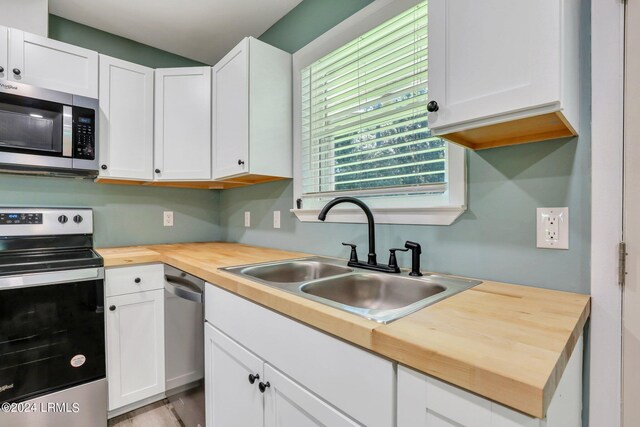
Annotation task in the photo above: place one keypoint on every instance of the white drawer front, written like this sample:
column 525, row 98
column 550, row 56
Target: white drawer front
column 353, row 380
column 130, row 279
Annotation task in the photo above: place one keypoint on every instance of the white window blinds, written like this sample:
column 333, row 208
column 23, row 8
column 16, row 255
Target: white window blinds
column 364, row 115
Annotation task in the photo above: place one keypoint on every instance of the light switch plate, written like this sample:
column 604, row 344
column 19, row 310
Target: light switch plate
column 247, row 219
column 168, row 218
column 552, row 228
column 276, row 219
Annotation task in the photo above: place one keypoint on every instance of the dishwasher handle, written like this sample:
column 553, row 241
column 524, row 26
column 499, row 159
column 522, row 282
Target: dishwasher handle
column 182, row 289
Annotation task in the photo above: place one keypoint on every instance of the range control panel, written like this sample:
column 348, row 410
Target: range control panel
column 45, row 221
column 20, row 218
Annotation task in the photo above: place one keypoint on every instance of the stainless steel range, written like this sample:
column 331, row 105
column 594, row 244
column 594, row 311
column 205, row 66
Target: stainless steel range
column 52, row 342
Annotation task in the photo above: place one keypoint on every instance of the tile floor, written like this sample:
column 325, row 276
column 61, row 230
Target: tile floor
column 159, row 414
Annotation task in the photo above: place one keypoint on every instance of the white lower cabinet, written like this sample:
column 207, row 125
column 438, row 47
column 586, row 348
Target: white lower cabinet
column 243, row 390
column 287, row 404
column 426, row 401
column 231, row 399
column 309, row 378
column 303, row 377
column 135, row 335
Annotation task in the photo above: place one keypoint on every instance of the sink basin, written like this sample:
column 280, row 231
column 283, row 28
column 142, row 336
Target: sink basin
column 382, row 297
column 294, row 271
column 373, row 291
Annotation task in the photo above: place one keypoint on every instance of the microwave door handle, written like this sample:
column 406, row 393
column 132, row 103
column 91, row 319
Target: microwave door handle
column 67, row 131
column 181, row 291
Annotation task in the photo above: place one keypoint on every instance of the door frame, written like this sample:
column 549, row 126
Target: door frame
column 630, row 293
column 607, row 95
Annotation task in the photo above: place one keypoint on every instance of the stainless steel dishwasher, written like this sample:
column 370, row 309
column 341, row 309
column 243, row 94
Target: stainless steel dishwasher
column 184, row 345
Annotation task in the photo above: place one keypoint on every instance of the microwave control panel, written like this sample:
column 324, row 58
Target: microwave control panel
column 84, row 133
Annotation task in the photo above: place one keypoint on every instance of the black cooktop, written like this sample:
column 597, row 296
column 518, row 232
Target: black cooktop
column 51, row 260
column 47, row 253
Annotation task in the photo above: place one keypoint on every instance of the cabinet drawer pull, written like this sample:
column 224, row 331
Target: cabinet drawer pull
column 157, row 170
column 1, row 69
column 104, row 167
column 240, row 162
column 264, row 386
column 137, row 280
column 16, row 71
column 112, row 308
column 432, row 106
column 253, row 378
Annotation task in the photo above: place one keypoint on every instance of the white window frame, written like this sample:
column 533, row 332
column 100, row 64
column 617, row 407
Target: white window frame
column 437, row 209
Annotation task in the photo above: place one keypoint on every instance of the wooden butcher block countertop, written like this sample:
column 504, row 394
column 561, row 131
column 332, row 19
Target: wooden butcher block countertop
column 505, row 342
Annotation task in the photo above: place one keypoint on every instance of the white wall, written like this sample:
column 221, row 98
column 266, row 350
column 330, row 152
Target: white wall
column 28, row 15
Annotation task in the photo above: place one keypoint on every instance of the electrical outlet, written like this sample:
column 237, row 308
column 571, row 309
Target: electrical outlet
column 168, row 218
column 552, row 228
column 276, row 219
column 247, row 219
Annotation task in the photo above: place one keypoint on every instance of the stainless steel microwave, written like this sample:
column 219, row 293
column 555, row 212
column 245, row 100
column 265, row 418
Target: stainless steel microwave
column 47, row 132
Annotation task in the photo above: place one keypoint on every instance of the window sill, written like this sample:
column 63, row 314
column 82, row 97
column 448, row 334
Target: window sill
column 415, row 216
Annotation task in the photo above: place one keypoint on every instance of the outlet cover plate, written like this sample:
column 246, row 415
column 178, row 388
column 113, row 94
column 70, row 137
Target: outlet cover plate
column 276, row 219
column 168, row 218
column 552, row 228
column 247, row 219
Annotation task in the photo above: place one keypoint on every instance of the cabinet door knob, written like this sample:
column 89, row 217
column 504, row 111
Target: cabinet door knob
column 137, row 280
column 264, row 386
column 1, row 69
column 432, row 106
column 104, row 167
column 240, row 162
column 157, row 170
column 16, row 71
column 112, row 308
column 253, row 378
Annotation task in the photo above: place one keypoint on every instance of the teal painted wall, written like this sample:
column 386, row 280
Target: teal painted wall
column 125, row 215
column 109, row 44
column 308, row 20
column 494, row 239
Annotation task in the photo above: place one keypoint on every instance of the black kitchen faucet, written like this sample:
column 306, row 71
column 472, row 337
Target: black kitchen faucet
column 372, row 262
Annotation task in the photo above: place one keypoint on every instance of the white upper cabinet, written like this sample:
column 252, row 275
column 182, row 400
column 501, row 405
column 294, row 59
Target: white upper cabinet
column 126, row 120
column 4, row 52
column 182, row 124
column 497, row 62
column 51, row 64
column 252, row 112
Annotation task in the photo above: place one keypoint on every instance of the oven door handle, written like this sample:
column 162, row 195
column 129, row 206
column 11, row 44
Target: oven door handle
column 182, row 289
column 50, row 278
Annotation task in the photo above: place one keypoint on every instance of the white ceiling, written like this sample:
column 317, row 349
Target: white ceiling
column 204, row 30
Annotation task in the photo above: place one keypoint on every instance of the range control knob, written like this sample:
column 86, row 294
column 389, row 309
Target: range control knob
column 62, row 219
column 77, row 219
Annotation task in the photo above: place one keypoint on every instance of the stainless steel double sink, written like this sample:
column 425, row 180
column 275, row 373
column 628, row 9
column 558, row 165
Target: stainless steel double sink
column 382, row 297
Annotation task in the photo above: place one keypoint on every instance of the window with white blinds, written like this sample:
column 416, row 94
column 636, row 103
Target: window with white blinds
column 364, row 116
